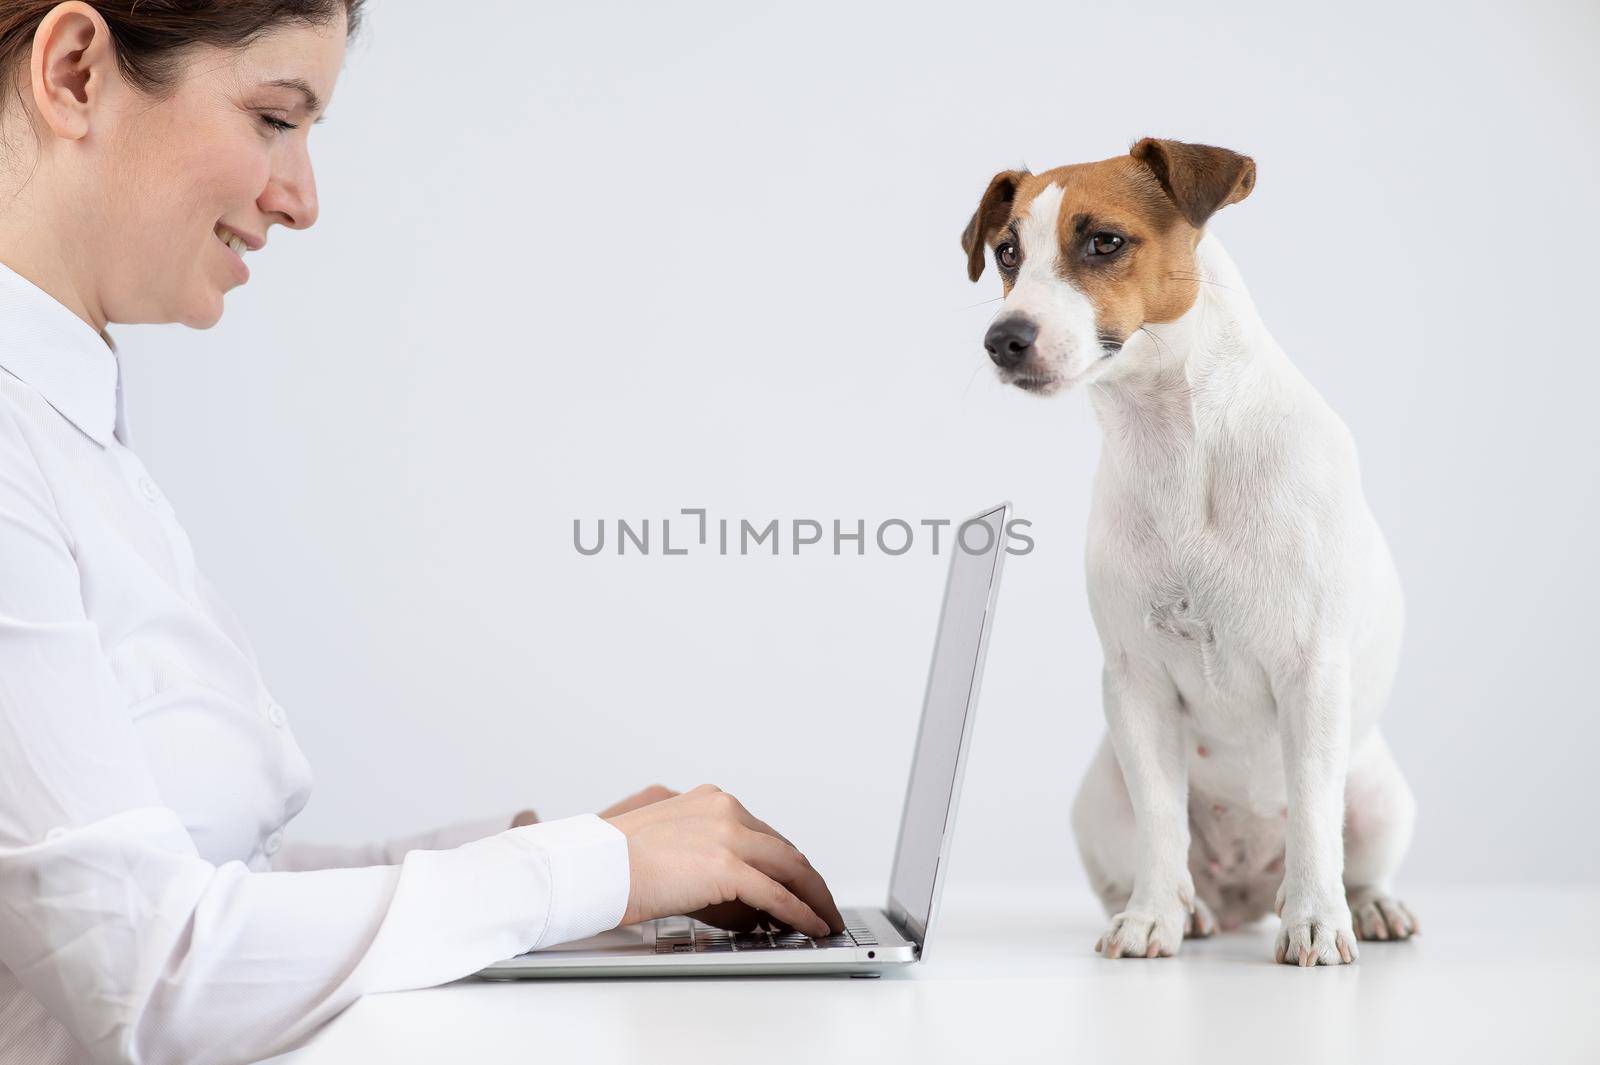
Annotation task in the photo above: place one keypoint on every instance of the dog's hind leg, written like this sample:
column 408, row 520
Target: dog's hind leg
column 1379, row 812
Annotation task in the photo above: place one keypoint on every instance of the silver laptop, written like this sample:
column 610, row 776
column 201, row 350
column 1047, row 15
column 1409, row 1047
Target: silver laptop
column 875, row 939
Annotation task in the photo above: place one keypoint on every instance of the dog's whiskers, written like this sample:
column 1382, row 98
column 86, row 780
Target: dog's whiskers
column 980, row 303
column 971, row 379
column 1157, row 339
column 1203, row 281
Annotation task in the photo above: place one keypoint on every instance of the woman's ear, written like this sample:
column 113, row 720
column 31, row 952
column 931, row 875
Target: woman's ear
column 74, row 61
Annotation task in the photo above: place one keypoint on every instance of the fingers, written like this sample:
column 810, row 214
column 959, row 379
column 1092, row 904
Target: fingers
column 783, row 863
column 764, row 893
column 737, row 916
column 734, row 916
column 782, row 859
column 779, row 879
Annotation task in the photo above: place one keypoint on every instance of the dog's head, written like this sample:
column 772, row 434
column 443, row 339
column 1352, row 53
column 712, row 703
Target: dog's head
column 1089, row 253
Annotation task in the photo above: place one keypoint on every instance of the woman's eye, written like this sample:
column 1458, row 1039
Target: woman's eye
column 275, row 123
column 1105, row 244
column 1007, row 256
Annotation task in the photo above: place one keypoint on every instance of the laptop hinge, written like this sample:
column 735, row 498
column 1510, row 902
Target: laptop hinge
column 902, row 924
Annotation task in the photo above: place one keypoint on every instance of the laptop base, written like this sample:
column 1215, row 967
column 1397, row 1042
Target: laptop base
column 633, row 950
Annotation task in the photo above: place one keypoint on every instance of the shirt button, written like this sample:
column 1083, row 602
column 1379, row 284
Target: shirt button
column 148, row 489
column 274, row 841
column 276, row 715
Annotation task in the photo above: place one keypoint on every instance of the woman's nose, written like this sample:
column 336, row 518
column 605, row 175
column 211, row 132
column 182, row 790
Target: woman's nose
column 292, row 198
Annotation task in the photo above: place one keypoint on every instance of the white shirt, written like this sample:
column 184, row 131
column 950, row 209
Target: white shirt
column 150, row 908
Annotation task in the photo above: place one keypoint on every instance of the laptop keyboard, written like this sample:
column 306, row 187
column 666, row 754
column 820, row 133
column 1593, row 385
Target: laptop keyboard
column 684, row 935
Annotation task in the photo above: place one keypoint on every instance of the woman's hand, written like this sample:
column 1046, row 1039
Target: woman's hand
column 654, row 793
column 703, row 854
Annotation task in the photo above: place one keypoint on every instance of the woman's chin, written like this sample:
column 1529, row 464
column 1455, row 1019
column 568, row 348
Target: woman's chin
column 203, row 313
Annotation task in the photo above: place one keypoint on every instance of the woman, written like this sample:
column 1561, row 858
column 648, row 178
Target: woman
column 149, row 908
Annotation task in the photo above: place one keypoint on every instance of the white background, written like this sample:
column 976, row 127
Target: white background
column 599, row 261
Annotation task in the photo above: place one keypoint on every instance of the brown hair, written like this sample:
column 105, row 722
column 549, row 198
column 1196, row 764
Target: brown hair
column 150, row 35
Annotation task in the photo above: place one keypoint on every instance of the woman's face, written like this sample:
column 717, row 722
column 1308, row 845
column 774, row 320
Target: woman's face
column 221, row 159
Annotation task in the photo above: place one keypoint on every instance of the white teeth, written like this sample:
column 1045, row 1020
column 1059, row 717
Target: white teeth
column 232, row 240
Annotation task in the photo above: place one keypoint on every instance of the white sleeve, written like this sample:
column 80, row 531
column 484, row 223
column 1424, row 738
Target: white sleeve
column 148, row 953
column 301, row 854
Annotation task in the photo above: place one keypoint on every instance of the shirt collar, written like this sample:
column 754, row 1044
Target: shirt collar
column 61, row 357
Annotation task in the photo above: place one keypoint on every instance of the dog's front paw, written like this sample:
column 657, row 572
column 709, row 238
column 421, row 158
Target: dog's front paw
column 1317, row 939
column 1143, row 933
column 1314, row 932
column 1378, row 916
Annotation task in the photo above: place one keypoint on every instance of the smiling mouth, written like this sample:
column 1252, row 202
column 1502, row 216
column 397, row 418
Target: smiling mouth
column 234, row 241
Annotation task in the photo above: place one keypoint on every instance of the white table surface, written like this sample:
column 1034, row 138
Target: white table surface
column 1498, row 975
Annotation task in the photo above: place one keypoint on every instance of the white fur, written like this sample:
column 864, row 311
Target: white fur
column 1066, row 348
column 1250, row 617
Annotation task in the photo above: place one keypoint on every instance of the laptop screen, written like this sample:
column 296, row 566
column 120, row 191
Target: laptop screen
column 946, row 708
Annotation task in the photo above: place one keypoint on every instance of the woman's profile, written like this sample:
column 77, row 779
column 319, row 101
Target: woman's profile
column 153, row 905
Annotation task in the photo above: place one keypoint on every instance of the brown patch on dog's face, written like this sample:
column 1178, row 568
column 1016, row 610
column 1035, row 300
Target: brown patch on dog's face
column 1121, row 233
column 1121, row 241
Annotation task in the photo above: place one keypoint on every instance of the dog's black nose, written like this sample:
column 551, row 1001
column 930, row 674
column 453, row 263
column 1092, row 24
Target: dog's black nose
column 1010, row 340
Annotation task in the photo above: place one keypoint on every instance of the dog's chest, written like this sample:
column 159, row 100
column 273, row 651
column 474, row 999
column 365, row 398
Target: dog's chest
column 1170, row 579
column 1170, row 583
column 1174, row 581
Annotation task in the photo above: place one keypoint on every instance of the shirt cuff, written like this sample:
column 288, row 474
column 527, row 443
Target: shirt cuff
column 589, row 875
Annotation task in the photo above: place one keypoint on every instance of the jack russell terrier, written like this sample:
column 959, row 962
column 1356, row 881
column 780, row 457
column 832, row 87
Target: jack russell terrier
column 1247, row 605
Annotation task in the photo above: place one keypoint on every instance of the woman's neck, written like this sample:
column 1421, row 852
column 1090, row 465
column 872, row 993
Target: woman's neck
column 38, row 246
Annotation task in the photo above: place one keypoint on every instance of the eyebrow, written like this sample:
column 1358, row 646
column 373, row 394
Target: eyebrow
column 1083, row 222
column 313, row 101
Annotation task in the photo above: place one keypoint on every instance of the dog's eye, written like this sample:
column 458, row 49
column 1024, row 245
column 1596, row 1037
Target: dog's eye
column 1008, row 256
column 1105, row 244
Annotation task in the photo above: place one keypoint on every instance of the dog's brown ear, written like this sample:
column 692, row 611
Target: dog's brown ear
column 993, row 211
column 1200, row 179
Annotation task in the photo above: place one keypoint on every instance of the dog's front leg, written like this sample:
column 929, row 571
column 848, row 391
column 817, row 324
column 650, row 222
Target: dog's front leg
column 1141, row 709
column 1314, row 723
